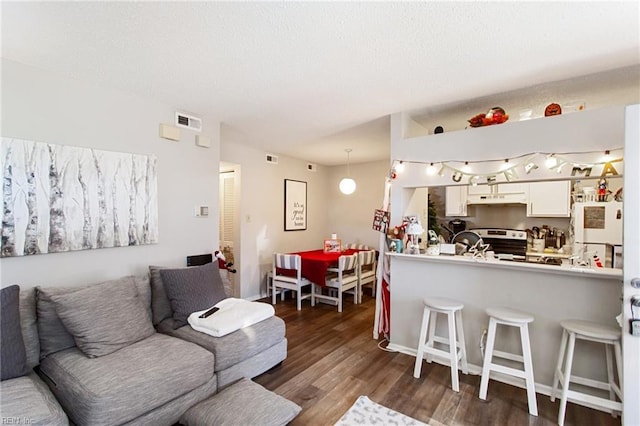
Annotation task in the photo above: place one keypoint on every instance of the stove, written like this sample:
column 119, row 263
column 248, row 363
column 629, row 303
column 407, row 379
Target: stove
column 511, row 242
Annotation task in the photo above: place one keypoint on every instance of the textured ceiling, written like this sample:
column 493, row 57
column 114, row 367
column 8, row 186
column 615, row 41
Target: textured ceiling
column 311, row 79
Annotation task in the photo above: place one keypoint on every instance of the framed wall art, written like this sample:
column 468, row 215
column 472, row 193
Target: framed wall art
column 59, row 198
column 295, row 205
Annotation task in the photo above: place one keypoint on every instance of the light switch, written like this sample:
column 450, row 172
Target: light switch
column 202, row 211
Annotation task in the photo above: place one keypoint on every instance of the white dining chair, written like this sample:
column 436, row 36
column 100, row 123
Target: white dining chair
column 355, row 246
column 343, row 279
column 292, row 262
column 366, row 271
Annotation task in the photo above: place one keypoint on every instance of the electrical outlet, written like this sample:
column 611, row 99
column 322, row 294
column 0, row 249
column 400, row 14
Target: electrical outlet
column 634, row 327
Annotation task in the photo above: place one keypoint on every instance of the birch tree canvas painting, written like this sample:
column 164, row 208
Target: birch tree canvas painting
column 59, row 198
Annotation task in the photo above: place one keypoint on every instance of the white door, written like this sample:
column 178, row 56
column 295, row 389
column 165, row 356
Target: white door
column 631, row 253
column 227, row 209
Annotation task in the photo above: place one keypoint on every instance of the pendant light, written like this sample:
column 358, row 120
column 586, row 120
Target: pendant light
column 348, row 185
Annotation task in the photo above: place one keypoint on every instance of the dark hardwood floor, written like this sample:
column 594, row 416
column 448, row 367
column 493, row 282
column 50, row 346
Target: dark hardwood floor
column 333, row 358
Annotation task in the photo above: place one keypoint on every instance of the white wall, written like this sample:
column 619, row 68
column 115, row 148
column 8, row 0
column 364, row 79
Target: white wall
column 44, row 107
column 631, row 344
column 329, row 211
column 262, row 209
column 351, row 216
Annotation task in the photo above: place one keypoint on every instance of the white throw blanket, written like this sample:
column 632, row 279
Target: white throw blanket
column 233, row 315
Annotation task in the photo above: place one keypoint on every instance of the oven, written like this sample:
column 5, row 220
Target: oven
column 511, row 242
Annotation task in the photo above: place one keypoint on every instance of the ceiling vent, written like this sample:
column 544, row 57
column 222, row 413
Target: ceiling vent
column 312, row 167
column 273, row 159
column 188, row 121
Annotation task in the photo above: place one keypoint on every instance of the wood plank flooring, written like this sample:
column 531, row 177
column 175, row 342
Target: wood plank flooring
column 333, row 358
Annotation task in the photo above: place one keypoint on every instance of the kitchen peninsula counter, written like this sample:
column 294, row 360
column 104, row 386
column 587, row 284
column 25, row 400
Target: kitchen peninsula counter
column 540, row 267
column 550, row 293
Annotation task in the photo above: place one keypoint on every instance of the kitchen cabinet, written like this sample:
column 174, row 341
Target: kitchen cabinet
column 480, row 189
column 456, row 200
column 504, row 193
column 549, row 199
column 511, row 188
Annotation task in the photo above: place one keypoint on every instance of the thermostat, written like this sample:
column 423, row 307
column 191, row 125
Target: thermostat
column 202, row 211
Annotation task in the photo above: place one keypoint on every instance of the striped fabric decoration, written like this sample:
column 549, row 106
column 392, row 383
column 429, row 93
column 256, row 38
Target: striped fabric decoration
column 367, row 257
column 348, row 263
column 354, row 246
column 287, row 261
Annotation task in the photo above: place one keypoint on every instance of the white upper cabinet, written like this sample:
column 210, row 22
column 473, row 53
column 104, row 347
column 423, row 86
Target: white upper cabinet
column 549, row 199
column 504, row 193
column 456, row 201
column 512, row 188
column 480, row 189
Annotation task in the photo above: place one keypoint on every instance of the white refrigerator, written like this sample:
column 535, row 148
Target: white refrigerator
column 597, row 231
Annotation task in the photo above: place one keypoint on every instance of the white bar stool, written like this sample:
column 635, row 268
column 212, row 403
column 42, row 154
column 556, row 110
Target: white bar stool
column 456, row 351
column 593, row 332
column 521, row 320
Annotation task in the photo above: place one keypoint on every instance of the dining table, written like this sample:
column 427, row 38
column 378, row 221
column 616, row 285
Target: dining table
column 315, row 263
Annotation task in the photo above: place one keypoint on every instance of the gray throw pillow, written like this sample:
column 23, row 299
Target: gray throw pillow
column 12, row 351
column 105, row 317
column 160, row 305
column 192, row 289
column 53, row 335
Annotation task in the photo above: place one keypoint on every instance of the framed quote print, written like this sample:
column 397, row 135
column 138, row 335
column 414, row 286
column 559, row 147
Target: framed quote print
column 295, row 205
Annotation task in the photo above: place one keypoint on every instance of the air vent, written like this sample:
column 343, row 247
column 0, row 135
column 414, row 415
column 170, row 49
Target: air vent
column 273, row 159
column 188, row 121
column 312, row 167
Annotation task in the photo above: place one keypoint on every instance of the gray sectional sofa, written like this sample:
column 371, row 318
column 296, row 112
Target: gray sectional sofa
column 110, row 354
column 26, row 399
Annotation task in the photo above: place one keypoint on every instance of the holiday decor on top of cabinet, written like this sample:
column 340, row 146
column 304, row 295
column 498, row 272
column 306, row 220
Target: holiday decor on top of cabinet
column 496, row 115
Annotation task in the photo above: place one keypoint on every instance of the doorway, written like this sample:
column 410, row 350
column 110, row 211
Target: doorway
column 229, row 223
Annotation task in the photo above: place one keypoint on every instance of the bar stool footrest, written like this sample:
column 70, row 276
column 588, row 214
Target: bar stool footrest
column 508, row 355
column 574, row 396
column 507, row 370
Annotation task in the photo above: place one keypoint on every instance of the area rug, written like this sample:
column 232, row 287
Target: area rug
column 366, row 412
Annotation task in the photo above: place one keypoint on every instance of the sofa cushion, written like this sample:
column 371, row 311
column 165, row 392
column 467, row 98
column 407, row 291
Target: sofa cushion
column 229, row 407
column 235, row 347
column 104, row 318
column 160, row 305
column 192, row 289
column 29, row 323
column 29, row 399
column 125, row 384
column 12, row 351
column 53, row 335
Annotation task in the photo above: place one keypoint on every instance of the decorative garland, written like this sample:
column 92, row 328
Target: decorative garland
column 510, row 166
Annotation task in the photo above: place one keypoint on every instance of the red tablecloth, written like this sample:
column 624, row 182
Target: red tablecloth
column 316, row 262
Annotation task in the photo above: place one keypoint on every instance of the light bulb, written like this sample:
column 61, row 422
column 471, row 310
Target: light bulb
column 399, row 167
column 466, row 168
column 431, row 169
column 347, row 186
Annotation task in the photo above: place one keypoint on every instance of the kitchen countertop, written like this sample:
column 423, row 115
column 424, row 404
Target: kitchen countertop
column 506, row 264
column 549, row 255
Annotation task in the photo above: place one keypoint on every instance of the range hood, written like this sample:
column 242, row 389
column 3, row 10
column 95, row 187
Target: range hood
column 513, row 198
